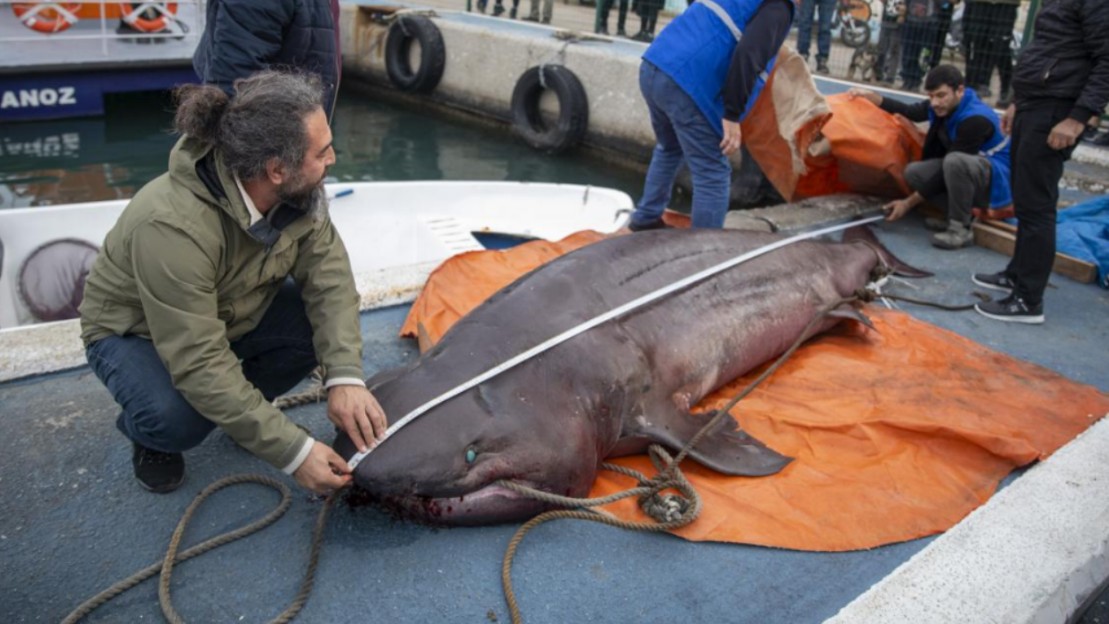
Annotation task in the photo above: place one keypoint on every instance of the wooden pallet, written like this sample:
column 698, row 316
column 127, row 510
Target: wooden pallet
column 1002, row 238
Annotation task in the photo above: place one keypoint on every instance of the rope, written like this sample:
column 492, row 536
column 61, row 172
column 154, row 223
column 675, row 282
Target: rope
column 315, row 394
column 679, row 513
column 933, row 304
column 172, row 557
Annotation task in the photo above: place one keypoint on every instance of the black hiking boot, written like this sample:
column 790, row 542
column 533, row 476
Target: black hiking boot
column 157, row 471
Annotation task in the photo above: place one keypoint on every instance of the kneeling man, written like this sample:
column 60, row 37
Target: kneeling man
column 224, row 283
column 965, row 163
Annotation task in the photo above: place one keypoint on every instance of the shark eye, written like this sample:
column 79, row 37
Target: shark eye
column 471, row 455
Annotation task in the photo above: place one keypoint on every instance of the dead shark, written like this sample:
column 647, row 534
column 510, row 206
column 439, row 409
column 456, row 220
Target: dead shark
column 551, row 421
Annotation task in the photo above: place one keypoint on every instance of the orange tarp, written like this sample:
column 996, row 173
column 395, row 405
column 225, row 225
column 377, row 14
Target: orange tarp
column 896, row 434
column 810, row 145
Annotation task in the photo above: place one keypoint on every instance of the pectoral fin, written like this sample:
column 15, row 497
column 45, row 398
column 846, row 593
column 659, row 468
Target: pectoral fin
column 726, row 448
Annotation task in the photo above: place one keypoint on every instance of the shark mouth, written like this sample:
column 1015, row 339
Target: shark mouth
column 491, row 504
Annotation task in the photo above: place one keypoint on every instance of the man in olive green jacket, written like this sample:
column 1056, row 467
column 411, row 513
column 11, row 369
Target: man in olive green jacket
column 224, row 283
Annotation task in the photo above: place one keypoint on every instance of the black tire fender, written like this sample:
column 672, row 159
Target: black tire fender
column 573, row 108
column 433, row 54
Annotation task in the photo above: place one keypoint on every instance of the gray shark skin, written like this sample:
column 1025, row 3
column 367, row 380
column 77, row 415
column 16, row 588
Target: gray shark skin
column 551, row 421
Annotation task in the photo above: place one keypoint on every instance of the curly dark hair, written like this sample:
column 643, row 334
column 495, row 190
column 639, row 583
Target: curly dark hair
column 944, row 75
column 263, row 119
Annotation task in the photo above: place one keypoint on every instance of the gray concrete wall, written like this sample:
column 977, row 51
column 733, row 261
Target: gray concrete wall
column 497, row 52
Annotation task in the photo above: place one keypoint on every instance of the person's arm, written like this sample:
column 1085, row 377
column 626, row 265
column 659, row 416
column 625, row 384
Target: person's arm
column 1094, row 22
column 246, row 35
column 972, row 135
column 915, row 112
column 1095, row 95
column 323, row 272
column 762, row 38
column 900, row 207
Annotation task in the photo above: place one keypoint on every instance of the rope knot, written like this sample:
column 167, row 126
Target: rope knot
column 664, row 507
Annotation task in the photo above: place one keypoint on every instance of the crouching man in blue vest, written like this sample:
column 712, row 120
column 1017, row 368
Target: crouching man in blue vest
column 699, row 78
column 965, row 163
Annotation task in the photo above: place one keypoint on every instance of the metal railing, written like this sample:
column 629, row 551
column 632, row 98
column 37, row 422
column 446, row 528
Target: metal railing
column 179, row 24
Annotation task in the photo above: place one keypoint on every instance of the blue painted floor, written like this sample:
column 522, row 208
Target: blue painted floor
column 72, row 521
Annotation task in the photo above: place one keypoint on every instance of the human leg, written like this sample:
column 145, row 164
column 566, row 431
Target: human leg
column 1035, row 177
column 622, row 18
column 1007, row 20
column 912, row 44
column 967, row 178
column 804, row 26
column 279, row 352
column 600, row 20
column 826, row 10
column 709, row 168
column 667, row 157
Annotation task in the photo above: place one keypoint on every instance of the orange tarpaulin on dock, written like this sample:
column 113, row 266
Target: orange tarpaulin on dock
column 896, row 433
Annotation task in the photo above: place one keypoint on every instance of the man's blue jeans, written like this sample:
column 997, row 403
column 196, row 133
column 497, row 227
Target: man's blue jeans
column 275, row 356
column 825, row 10
column 683, row 134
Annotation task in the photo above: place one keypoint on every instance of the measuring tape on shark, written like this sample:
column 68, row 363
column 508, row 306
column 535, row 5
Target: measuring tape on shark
column 597, row 320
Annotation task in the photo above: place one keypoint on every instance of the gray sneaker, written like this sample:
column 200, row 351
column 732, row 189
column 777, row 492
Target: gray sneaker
column 956, row 236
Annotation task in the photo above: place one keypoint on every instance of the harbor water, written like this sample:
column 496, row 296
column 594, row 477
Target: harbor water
column 111, row 157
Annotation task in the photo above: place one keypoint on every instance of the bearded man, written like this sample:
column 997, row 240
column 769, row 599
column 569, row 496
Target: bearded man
column 224, row 283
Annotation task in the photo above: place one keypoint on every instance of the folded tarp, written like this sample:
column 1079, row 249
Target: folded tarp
column 896, row 433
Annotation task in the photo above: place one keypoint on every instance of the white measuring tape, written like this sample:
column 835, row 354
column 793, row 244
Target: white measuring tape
column 597, row 320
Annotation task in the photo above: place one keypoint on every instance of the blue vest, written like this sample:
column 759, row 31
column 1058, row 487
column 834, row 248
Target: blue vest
column 695, row 50
column 995, row 149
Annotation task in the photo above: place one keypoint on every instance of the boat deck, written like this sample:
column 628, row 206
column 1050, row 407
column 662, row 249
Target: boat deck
column 72, row 520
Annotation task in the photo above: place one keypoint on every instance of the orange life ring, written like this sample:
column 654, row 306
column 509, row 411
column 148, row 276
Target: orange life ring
column 149, row 17
column 47, row 17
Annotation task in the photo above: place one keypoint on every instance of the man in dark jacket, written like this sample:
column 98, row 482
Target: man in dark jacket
column 1060, row 84
column 965, row 162
column 242, row 37
column 224, row 283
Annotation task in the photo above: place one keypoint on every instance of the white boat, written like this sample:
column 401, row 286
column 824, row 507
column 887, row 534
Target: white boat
column 395, row 232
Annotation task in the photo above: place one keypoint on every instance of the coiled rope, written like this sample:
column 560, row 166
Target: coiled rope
column 172, row 557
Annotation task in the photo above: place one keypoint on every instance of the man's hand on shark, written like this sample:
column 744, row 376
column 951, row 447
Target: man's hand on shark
column 354, row 410
column 323, row 471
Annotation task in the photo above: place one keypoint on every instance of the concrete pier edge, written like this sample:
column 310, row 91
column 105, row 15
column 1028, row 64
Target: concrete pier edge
column 1035, row 553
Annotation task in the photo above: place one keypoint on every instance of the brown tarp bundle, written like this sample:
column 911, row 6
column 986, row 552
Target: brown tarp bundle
column 896, row 434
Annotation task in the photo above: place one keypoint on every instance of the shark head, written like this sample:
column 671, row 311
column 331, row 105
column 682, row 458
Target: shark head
column 447, row 465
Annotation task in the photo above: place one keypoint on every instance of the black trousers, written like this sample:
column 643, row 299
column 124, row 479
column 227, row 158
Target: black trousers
column 1036, row 171
column 988, row 35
